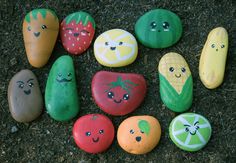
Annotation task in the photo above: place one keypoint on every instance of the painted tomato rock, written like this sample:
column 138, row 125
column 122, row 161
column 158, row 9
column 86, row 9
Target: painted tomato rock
column 61, row 96
column 190, row 131
column 93, row 133
column 158, row 28
column 40, row 30
column 115, row 48
column 77, row 31
column 24, row 97
column 139, row 134
column 176, row 83
column 118, row 93
column 213, row 58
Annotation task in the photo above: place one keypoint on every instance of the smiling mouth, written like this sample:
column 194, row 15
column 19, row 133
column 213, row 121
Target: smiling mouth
column 178, row 76
column 27, row 92
column 76, row 34
column 113, row 48
column 64, row 80
column 117, row 101
column 96, row 140
column 36, row 34
column 194, row 133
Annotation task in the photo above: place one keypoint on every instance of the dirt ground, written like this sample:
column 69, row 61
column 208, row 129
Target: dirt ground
column 46, row 140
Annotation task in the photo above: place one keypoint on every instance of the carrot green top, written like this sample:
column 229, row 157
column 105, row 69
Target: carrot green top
column 80, row 16
column 35, row 12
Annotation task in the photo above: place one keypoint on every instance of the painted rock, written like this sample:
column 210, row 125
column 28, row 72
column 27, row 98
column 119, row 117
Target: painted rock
column 115, row 48
column 213, row 58
column 61, row 96
column 176, row 83
column 139, row 134
column 40, row 30
column 93, row 133
column 158, row 28
column 118, row 93
column 24, row 97
column 190, row 131
column 77, row 31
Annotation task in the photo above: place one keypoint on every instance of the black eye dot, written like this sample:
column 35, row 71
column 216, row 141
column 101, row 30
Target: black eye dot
column 141, row 131
column 101, row 131
column 29, row 28
column 21, row 86
column 222, row 46
column 213, row 45
column 88, row 133
column 106, row 43
column 126, row 97
column 171, row 69
column 59, row 74
column 69, row 74
column 131, row 131
column 183, row 69
column 110, row 94
column 186, row 129
column 31, row 84
column 153, row 24
column 44, row 27
column 120, row 43
column 166, row 25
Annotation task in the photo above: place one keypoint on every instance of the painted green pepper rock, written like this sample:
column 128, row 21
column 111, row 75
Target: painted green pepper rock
column 176, row 83
column 158, row 28
column 61, row 96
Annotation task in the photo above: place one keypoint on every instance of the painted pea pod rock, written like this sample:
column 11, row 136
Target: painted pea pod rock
column 40, row 30
column 213, row 58
column 24, row 96
column 139, row 134
column 176, row 83
column 77, row 32
column 118, row 93
column 115, row 48
column 190, row 131
column 61, row 96
column 158, row 28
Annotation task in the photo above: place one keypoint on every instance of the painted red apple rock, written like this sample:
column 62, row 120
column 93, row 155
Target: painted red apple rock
column 77, row 31
column 93, row 133
column 118, row 93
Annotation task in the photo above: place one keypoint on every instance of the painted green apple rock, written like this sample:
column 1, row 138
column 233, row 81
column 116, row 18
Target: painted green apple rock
column 61, row 96
column 190, row 131
column 158, row 28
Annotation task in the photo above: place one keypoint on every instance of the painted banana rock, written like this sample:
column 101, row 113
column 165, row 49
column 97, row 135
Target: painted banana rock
column 213, row 58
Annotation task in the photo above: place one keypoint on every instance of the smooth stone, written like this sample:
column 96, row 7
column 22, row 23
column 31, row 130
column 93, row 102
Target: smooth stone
column 77, row 32
column 176, row 83
column 118, row 93
column 93, row 133
column 139, row 134
column 213, row 58
column 61, row 96
column 190, row 131
column 40, row 30
column 115, row 48
column 158, row 28
column 24, row 96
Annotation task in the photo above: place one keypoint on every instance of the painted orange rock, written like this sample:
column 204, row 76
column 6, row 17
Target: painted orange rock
column 40, row 30
column 139, row 134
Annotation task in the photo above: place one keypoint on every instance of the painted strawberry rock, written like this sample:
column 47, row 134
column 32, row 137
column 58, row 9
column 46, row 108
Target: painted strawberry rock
column 118, row 93
column 77, row 31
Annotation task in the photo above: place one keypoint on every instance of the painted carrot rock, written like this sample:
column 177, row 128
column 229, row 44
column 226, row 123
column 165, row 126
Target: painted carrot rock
column 176, row 84
column 213, row 58
column 40, row 30
column 77, row 31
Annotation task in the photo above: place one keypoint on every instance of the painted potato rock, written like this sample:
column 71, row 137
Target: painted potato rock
column 158, row 28
column 61, row 96
column 190, row 131
column 139, row 134
column 213, row 58
column 77, row 31
column 93, row 133
column 115, row 48
column 176, row 83
column 24, row 96
column 118, row 93
column 40, row 30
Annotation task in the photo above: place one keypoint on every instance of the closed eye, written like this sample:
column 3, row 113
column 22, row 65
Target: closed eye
column 84, row 32
column 70, row 29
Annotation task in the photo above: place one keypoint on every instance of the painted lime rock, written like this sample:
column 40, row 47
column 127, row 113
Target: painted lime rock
column 190, row 131
column 115, row 48
column 213, row 58
column 158, row 28
column 139, row 134
column 118, row 93
column 61, row 96
column 93, row 133
column 176, row 83
column 24, row 96
column 77, row 32
column 40, row 30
